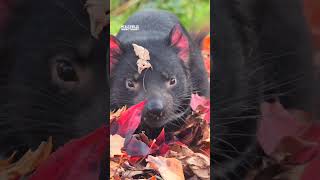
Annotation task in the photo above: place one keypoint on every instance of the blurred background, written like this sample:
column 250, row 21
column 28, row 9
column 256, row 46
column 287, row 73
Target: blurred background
column 193, row 14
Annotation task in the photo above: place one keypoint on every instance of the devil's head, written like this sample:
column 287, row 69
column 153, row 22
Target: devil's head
column 166, row 86
column 55, row 84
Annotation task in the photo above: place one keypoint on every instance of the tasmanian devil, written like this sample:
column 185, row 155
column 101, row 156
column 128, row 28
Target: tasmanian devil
column 262, row 53
column 177, row 70
column 53, row 78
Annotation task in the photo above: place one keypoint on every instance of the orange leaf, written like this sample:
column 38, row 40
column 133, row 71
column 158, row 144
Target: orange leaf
column 28, row 163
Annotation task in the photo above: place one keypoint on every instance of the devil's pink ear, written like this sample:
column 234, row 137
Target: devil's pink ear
column 179, row 40
column 115, row 51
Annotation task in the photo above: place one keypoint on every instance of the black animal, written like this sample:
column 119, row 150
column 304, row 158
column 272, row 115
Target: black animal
column 53, row 75
column 262, row 53
column 177, row 70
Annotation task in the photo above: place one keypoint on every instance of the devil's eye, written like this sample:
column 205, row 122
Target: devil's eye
column 130, row 84
column 66, row 71
column 172, row 81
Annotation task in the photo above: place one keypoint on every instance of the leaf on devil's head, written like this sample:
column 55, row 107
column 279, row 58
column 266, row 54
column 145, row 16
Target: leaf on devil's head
column 144, row 57
column 141, row 52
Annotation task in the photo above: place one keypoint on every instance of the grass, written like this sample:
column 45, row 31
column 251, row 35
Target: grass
column 193, row 14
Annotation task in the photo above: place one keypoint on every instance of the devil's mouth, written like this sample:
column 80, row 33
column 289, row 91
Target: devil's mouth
column 154, row 121
column 158, row 121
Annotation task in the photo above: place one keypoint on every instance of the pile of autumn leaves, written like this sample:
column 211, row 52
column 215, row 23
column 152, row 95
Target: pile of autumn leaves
column 291, row 145
column 187, row 156
column 135, row 156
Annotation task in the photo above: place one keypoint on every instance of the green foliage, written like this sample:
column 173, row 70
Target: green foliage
column 192, row 13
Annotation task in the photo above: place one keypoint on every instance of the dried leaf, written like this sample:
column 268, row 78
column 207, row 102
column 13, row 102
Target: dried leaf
column 141, row 52
column 116, row 114
column 196, row 164
column 192, row 158
column 169, row 168
column 115, row 170
column 97, row 10
column 194, row 133
column 179, row 151
column 142, row 64
column 200, row 165
column 5, row 163
column 116, row 145
column 144, row 56
column 28, row 163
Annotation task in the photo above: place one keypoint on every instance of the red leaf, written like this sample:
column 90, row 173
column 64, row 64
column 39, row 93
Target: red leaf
column 134, row 159
column 201, row 105
column 130, row 120
column 79, row 159
column 312, row 170
column 277, row 123
column 163, row 149
column 161, row 138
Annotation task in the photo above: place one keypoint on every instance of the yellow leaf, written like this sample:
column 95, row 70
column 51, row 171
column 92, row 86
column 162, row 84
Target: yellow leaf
column 27, row 164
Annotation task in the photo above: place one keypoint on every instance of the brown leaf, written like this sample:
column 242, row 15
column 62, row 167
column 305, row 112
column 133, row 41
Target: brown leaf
column 116, row 114
column 116, row 145
column 97, row 10
column 7, row 162
column 179, row 151
column 196, row 164
column 169, row 168
column 144, row 56
column 115, row 170
column 141, row 52
column 200, row 165
column 28, row 163
column 142, row 64
column 195, row 133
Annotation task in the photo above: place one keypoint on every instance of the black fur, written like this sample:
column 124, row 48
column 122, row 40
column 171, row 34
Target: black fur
column 262, row 52
column 155, row 28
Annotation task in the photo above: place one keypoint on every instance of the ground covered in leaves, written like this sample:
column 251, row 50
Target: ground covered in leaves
column 135, row 156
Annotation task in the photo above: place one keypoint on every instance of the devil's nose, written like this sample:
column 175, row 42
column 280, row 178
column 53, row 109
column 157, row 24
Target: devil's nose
column 154, row 106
